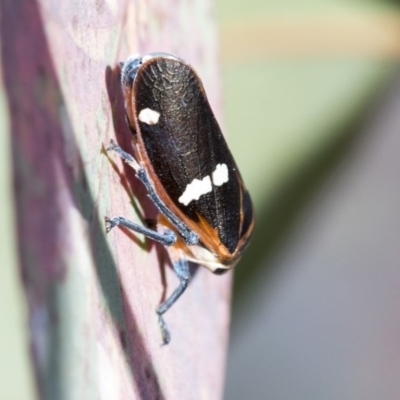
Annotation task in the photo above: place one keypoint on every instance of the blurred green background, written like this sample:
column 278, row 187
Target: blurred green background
column 300, row 81
column 13, row 310
column 287, row 112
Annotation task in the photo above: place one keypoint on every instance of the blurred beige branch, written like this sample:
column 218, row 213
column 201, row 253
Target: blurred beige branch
column 352, row 34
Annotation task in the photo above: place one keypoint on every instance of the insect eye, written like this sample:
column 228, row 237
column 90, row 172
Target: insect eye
column 220, row 271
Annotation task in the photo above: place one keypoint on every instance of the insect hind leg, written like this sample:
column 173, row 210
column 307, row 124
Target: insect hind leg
column 181, row 269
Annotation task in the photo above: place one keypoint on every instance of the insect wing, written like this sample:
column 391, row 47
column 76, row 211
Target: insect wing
column 185, row 152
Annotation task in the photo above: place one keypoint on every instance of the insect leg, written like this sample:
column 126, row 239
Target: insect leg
column 167, row 239
column 181, row 269
column 128, row 158
column 188, row 235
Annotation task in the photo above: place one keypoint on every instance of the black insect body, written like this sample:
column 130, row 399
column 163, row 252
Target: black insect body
column 184, row 162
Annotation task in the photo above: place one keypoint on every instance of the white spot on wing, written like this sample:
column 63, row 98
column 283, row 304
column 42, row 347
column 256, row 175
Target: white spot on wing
column 220, row 175
column 149, row 116
column 195, row 189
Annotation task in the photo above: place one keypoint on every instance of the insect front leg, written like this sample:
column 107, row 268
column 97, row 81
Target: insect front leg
column 181, row 269
column 188, row 235
column 128, row 158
